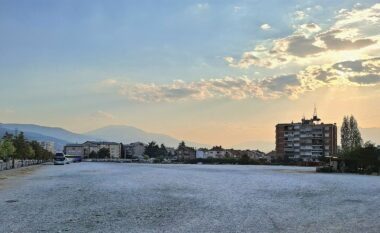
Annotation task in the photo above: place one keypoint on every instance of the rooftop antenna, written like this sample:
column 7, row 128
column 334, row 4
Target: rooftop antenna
column 315, row 115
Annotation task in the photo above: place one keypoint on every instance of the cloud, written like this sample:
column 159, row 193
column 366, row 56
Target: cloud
column 342, row 54
column 308, row 29
column 359, row 73
column 332, row 41
column 299, row 15
column 202, row 6
column 237, row 8
column 101, row 115
column 229, row 59
column 265, row 27
column 366, row 79
column 299, row 45
column 354, row 34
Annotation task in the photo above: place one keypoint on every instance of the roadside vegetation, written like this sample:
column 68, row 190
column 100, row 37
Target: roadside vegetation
column 17, row 147
column 356, row 156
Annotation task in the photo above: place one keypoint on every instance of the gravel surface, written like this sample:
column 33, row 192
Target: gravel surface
column 112, row 197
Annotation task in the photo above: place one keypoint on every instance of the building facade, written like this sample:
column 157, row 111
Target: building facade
column 307, row 140
column 86, row 148
column 74, row 149
column 134, row 150
column 185, row 153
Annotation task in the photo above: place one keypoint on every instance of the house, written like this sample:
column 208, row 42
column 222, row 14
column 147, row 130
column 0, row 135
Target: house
column 200, row 154
column 185, row 153
column 171, row 151
column 216, row 152
column 271, row 156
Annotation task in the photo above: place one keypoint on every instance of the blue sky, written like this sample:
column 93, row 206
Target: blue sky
column 65, row 62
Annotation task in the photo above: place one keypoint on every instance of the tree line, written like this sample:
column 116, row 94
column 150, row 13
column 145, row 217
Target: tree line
column 17, row 147
column 358, row 157
column 103, row 153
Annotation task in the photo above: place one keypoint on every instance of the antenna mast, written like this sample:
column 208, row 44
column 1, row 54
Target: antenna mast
column 315, row 115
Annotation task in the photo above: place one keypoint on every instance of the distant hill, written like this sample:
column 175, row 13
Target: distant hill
column 121, row 133
column 58, row 143
column 54, row 132
column 128, row 134
column 59, row 136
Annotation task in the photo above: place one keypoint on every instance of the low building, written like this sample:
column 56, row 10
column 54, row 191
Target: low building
column 271, row 156
column 218, row 154
column 74, row 149
column 254, row 154
column 94, row 146
column 185, row 153
column 171, row 151
column 134, row 150
column 200, row 154
column 86, row 148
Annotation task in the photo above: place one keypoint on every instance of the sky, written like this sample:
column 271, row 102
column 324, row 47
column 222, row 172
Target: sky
column 213, row 72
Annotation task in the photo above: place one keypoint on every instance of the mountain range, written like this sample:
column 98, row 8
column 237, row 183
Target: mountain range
column 128, row 134
column 117, row 133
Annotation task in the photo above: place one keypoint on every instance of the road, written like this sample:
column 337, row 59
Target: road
column 112, row 197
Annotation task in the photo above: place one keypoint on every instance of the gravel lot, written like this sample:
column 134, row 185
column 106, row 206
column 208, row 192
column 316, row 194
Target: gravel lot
column 111, row 197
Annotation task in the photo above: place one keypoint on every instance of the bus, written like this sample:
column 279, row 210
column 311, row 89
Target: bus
column 59, row 159
column 74, row 158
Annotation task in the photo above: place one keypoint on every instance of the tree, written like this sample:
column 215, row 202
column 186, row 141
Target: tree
column 7, row 149
column 21, row 146
column 217, row 148
column 181, row 145
column 104, row 153
column 29, row 152
column 163, row 151
column 356, row 138
column 363, row 159
column 93, row 155
column 152, row 150
column 37, row 148
column 40, row 153
column 244, row 159
column 350, row 134
column 345, row 134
